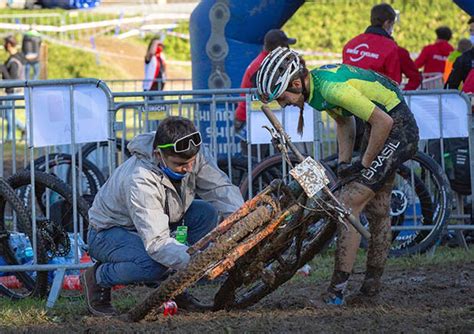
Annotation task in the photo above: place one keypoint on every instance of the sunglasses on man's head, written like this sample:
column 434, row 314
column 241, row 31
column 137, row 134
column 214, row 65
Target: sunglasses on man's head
column 184, row 144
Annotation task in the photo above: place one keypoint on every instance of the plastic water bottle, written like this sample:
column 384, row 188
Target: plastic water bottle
column 10, row 282
column 170, row 308
column 72, row 282
column 21, row 245
column 3, row 263
column 305, row 270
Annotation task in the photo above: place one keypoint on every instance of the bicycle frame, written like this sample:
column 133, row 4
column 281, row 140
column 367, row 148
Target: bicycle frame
column 338, row 207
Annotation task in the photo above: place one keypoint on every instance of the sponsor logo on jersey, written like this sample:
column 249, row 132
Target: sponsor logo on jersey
column 386, row 153
column 360, row 52
column 440, row 57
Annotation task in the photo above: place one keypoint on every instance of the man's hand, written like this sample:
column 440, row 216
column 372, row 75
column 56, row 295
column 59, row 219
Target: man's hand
column 346, row 169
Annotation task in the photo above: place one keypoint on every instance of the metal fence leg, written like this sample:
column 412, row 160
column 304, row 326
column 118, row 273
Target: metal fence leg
column 56, row 288
column 432, row 250
column 461, row 241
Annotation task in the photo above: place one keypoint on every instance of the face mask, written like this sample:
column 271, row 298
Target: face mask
column 169, row 172
column 471, row 38
column 159, row 49
column 172, row 175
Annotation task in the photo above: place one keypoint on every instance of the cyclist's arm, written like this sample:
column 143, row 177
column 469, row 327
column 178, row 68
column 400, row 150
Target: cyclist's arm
column 352, row 100
column 381, row 125
column 345, row 136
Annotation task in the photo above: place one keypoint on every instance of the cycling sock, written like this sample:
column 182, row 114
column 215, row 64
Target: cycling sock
column 337, row 288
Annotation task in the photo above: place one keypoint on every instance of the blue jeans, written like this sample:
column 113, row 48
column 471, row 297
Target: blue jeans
column 36, row 70
column 122, row 254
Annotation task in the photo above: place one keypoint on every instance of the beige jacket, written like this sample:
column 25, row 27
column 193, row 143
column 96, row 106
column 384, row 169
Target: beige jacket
column 139, row 197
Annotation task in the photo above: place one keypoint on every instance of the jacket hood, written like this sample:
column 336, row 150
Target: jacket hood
column 142, row 146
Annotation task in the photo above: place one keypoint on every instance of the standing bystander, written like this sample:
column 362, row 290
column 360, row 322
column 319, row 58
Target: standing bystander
column 433, row 56
column 13, row 69
column 31, row 47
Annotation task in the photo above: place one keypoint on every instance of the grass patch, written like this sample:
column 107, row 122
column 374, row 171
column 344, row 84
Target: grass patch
column 23, row 313
column 322, row 265
column 31, row 312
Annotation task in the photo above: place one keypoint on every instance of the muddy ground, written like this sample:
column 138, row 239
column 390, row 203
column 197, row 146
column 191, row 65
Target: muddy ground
column 423, row 300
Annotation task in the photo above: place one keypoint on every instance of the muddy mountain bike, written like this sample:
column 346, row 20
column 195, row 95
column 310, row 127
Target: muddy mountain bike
column 263, row 243
column 421, row 197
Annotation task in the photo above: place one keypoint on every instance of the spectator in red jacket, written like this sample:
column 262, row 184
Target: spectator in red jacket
column 433, row 57
column 273, row 39
column 409, row 69
column 375, row 49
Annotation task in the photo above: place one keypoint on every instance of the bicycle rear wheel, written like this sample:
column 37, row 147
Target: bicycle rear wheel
column 98, row 154
column 90, row 177
column 421, row 196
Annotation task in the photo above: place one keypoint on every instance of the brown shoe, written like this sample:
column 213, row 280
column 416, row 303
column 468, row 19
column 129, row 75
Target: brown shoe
column 98, row 299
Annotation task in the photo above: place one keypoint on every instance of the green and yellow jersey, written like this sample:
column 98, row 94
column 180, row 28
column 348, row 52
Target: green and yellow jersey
column 346, row 90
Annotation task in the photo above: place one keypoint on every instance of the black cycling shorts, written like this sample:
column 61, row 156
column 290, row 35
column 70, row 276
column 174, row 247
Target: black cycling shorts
column 400, row 146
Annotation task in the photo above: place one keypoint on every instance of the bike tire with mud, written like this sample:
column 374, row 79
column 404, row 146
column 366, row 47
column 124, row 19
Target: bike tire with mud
column 201, row 262
column 315, row 232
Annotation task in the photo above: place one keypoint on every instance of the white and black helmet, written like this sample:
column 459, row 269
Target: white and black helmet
column 276, row 72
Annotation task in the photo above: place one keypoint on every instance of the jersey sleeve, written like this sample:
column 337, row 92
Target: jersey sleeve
column 421, row 60
column 349, row 98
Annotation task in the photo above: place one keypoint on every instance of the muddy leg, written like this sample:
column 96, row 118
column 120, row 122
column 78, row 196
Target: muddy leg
column 377, row 211
column 354, row 196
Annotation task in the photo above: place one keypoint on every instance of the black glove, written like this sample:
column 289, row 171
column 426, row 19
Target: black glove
column 345, row 169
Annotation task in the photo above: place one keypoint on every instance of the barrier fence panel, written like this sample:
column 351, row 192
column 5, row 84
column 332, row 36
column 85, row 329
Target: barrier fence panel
column 58, row 113
column 72, row 115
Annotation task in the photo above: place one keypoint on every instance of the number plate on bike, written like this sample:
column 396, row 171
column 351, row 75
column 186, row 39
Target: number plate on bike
column 311, row 175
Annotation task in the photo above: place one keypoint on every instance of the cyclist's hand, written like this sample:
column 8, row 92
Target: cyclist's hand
column 346, row 169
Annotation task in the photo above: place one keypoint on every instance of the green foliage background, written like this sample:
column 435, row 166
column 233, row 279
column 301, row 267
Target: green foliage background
column 326, row 25
column 319, row 25
column 65, row 62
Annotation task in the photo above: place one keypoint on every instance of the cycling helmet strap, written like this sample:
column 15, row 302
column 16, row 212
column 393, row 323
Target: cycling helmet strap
column 306, row 97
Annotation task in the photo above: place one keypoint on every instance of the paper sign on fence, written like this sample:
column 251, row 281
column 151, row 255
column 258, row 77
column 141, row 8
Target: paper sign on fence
column 50, row 114
column 454, row 120
column 258, row 135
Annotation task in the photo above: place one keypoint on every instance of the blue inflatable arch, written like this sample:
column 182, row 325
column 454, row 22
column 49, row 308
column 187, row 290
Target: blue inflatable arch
column 226, row 35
